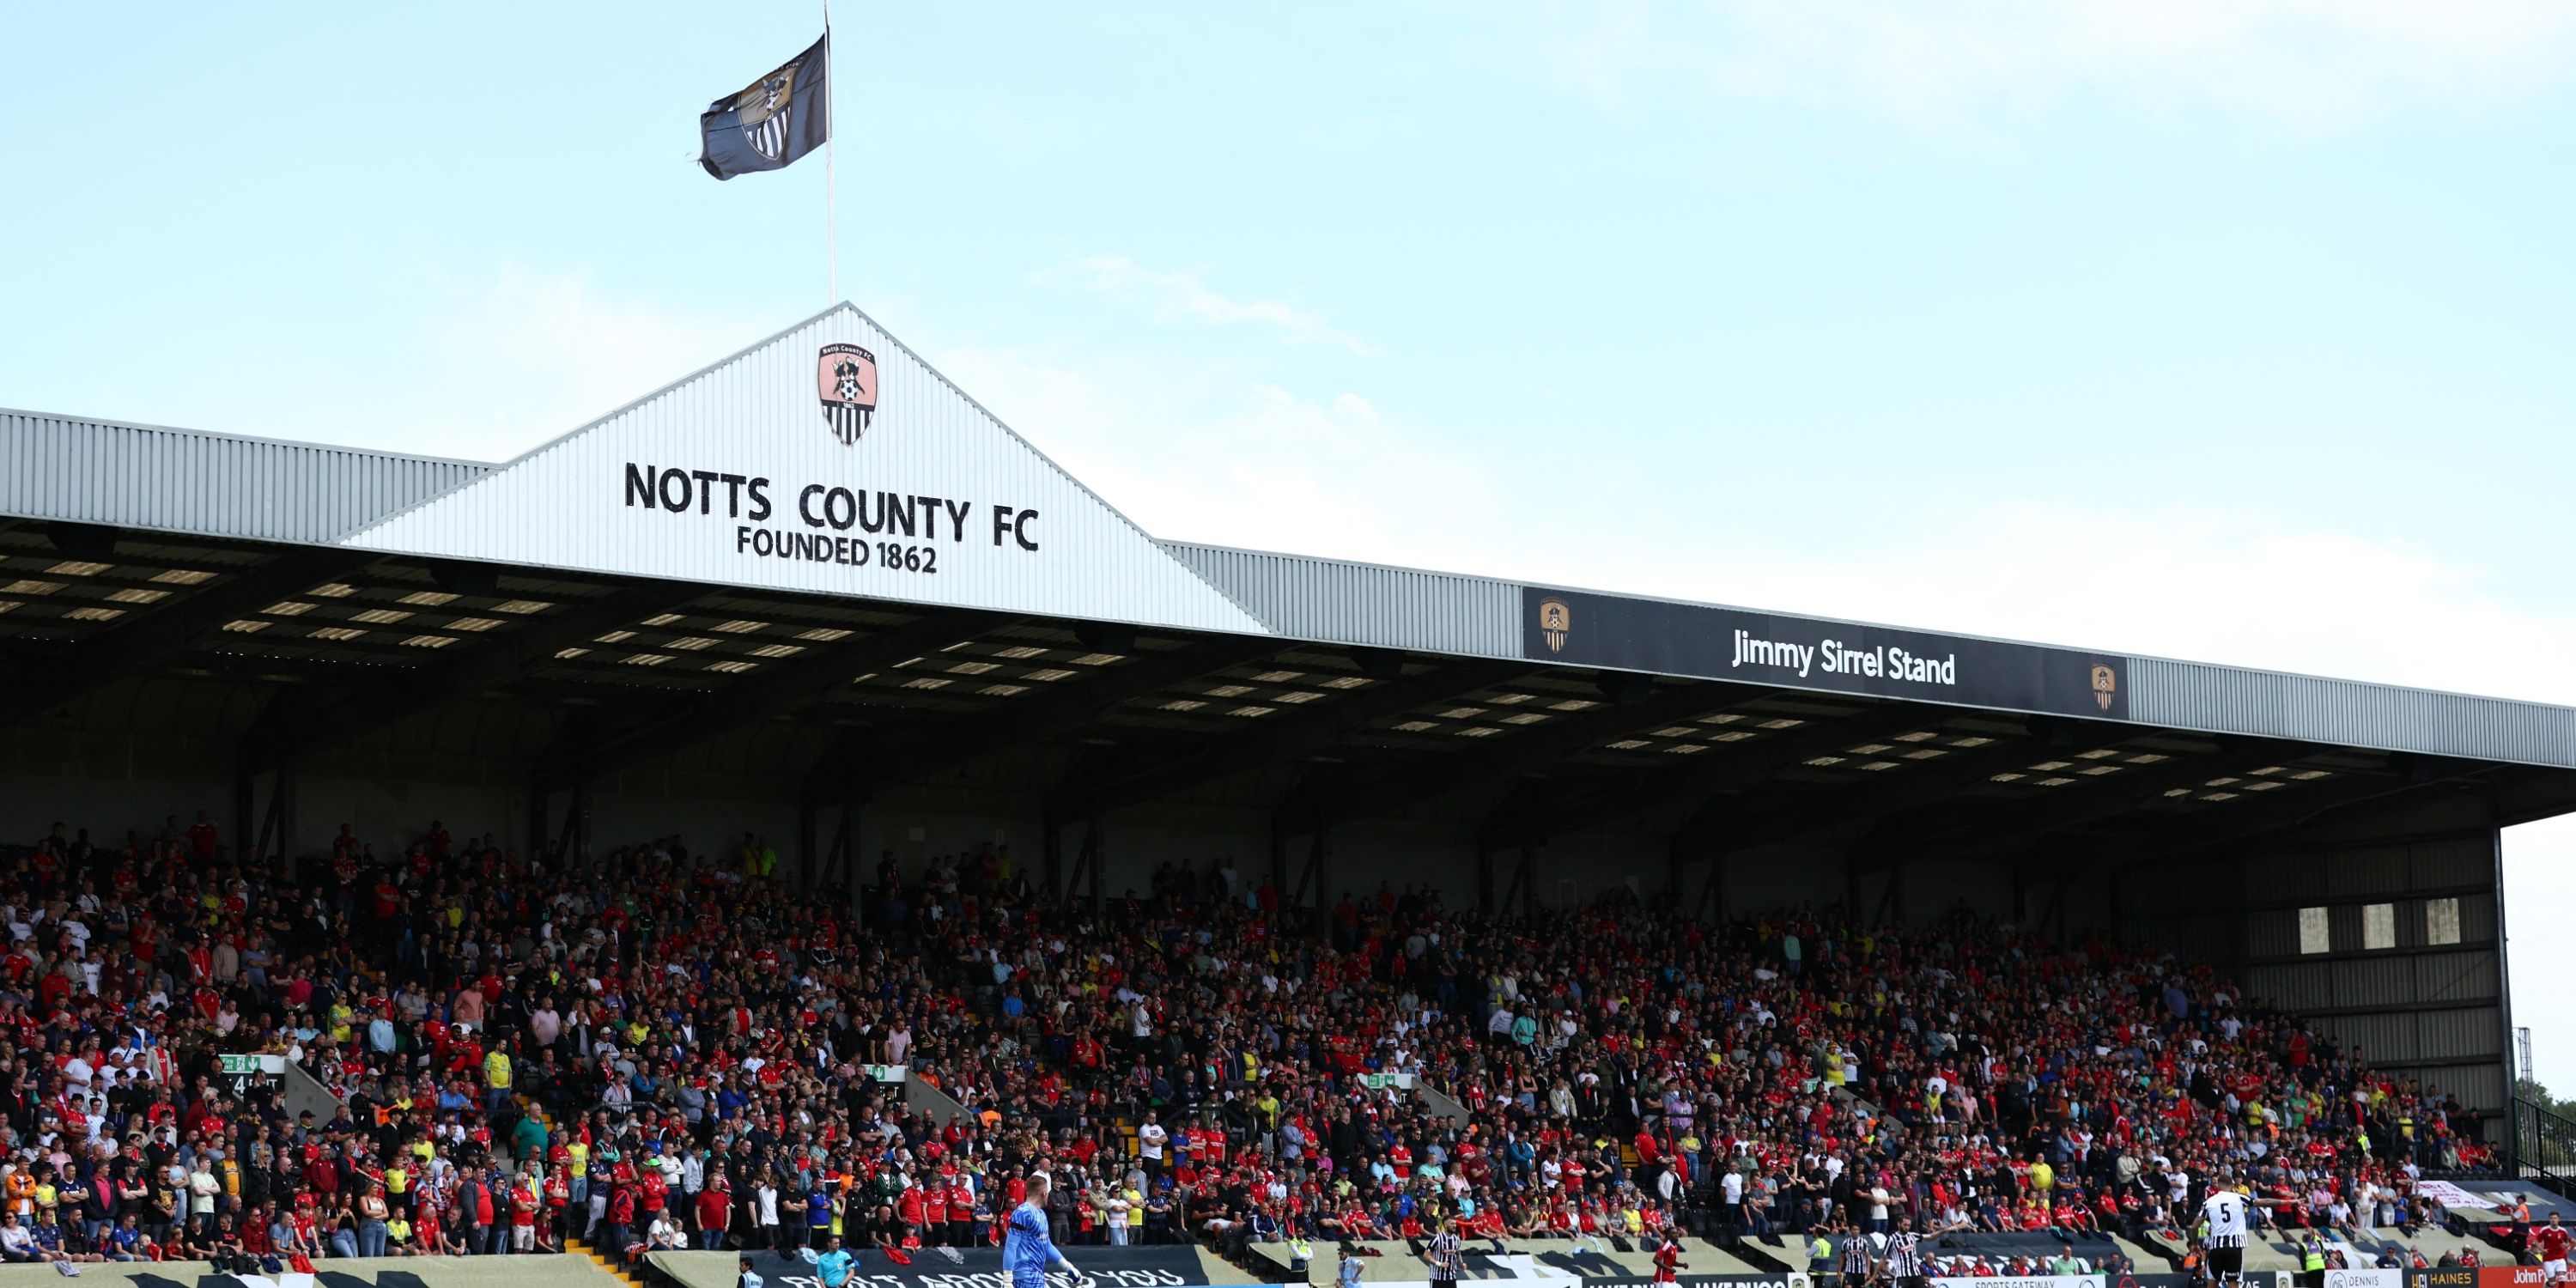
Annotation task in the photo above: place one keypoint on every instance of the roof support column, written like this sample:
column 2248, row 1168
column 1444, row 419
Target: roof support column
column 1527, row 879
column 2505, row 1043
column 1086, row 866
column 1051, row 853
column 286, row 812
column 1094, row 857
column 1891, row 897
column 565, row 848
column 1278, row 862
column 573, row 843
column 843, row 860
column 274, row 837
column 1712, row 892
column 1319, row 862
column 2052, row 919
column 535, row 836
column 809, row 862
column 243, row 850
column 1523, row 889
column 1314, row 875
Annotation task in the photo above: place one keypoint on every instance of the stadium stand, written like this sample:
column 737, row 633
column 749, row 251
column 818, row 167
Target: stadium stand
column 672, row 1048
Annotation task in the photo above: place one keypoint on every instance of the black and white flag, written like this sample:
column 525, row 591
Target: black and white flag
column 774, row 120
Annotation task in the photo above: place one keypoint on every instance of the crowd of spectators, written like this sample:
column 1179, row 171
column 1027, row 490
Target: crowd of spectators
column 668, row 1047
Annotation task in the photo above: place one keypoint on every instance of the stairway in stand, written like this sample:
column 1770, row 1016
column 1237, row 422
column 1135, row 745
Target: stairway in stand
column 578, row 1247
column 604, row 1261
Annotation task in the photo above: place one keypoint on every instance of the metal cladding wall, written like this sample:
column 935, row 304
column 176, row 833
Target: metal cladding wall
column 745, row 475
column 2225, row 699
column 2411, row 966
column 176, row 480
column 2387, row 931
column 1332, row 601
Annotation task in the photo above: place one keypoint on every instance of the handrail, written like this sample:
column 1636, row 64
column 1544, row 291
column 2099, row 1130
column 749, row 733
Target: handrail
column 2544, row 1147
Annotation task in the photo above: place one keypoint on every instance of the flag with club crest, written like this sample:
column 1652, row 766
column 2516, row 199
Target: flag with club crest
column 772, row 121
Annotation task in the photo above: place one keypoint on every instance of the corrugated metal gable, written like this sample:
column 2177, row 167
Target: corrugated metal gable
column 755, row 418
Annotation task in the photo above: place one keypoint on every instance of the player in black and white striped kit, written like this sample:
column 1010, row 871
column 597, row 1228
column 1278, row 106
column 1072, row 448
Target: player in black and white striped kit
column 2226, row 1220
column 1445, row 1257
column 1905, row 1255
column 1855, row 1261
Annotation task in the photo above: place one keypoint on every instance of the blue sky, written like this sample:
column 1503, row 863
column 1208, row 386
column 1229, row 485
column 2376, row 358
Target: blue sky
column 2224, row 330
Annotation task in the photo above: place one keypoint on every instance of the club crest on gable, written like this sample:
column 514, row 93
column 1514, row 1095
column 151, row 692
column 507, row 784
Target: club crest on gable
column 847, row 378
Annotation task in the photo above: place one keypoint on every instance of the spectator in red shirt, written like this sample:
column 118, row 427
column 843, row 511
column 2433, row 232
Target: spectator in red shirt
column 202, row 838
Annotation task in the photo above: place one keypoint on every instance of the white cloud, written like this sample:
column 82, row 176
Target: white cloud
column 1241, row 463
column 2309, row 63
column 1252, row 464
column 503, row 363
column 1183, row 296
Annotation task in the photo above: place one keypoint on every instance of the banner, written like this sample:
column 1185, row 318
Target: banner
column 1519, row 1265
column 1665, row 638
column 2450, row 1195
column 2253, row 1279
column 2510, row 1277
column 1159, row 1266
column 2366, row 1278
column 1795, row 1279
column 2020, row 1281
column 373, row 1272
column 2446, row 1277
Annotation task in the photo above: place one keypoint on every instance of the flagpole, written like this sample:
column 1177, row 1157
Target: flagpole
column 831, row 184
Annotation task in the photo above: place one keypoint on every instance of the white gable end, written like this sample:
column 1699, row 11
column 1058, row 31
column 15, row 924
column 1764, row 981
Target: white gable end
column 744, row 475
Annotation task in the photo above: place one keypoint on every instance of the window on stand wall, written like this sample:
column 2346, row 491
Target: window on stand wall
column 2313, row 935
column 2441, row 921
column 2379, row 925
